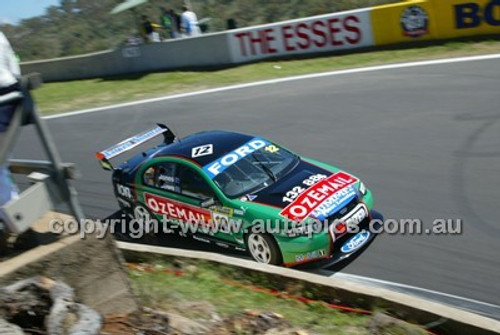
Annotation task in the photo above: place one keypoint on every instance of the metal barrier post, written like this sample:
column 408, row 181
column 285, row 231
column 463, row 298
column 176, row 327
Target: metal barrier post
column 50, row 177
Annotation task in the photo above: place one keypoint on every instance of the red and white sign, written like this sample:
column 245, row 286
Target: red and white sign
column 345, row 30
column 178, row 210
column 315, row 195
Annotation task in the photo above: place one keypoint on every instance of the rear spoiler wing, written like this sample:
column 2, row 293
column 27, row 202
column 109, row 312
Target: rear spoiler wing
column 104, row 156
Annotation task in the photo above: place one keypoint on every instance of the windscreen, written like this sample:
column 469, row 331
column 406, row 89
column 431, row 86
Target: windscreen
column 256, row 171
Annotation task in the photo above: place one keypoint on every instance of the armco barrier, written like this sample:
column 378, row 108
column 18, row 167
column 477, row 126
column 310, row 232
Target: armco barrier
column 407, row 21
column 450, row 320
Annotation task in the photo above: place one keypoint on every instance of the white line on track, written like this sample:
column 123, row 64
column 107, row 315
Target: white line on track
column 379, row 282
column 281, row 80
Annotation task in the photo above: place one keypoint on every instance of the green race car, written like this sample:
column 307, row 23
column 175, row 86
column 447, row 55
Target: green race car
column 243, row 192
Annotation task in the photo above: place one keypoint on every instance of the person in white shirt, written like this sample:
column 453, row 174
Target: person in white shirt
column 189, row 22
column 9, row 82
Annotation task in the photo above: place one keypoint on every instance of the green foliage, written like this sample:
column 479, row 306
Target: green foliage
column 206, row 284
column 83, row 26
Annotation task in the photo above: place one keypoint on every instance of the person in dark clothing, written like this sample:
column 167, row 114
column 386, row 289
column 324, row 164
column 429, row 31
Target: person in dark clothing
column 231, row 24
column 176, row 22
column 170, row 22
column 148, row 28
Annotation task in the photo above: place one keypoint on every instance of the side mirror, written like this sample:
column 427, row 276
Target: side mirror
column 209, row 202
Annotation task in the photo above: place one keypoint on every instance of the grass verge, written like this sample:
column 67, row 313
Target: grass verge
column 206, row 283
column 62, row 97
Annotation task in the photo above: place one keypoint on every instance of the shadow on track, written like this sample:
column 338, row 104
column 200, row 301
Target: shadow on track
column 173, row 240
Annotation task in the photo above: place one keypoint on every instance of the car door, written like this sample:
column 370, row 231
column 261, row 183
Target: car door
column 176, row 191
column 156, row 183
column 194, row 190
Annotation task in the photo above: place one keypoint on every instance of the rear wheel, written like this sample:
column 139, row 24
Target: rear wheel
column 264, row 249
column 147, row 225
column 142, row 214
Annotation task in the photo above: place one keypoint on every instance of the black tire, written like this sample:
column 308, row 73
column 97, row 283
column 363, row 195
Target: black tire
column 142, row 213
column 148, row 235
column 263, row 248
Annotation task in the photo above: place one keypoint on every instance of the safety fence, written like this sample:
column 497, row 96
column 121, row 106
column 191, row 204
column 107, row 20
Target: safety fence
column 407, row 21
column 50, row 180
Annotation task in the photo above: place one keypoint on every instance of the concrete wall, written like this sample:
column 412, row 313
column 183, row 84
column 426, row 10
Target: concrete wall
column 313, row 35
column 406, row 21
column 310, row 35
column 418, row 20
column 205, row 51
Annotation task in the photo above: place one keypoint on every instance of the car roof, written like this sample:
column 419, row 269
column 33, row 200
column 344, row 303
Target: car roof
column 222, row 143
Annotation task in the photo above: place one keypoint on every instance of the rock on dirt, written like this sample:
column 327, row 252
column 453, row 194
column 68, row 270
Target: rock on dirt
column 184, row 326
column 47, row 306
column 153, row 322
column 254, row 322
column 384, row 324
column 9, row 328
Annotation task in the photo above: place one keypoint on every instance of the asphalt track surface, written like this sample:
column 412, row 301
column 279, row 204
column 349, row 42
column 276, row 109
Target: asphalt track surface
column 426, row 140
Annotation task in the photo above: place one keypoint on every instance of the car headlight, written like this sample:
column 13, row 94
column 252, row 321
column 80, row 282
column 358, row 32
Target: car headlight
column 362, row 188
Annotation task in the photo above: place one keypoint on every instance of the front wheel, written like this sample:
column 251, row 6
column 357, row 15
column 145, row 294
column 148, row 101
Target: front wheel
column 264, row 249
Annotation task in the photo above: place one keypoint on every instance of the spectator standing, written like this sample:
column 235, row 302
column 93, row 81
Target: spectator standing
column 148, row 28
column 170, row 22
column 176, row 23
column 9, row 82
column 189, row 22
column 231, row 24
column 165, row 21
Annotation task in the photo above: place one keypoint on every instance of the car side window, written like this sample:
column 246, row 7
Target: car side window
column 166, row 179
column 162, row 176
column 193, row 184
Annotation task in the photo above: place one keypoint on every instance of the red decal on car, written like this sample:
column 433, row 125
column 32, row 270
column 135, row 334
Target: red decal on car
column 177, row 210
column 315, row 195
